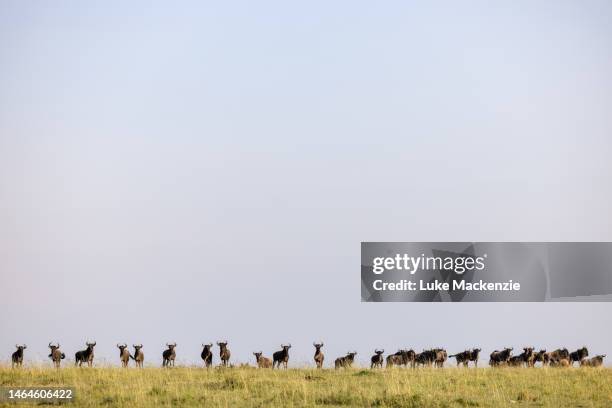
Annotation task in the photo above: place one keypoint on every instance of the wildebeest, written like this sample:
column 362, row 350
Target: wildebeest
column 224, row 353
column 318, row 356
column 562, row 362
column 427, row 357
column 17, row 356
column 207, row 355
column 592, row 362
column 500, row 357
column 56, row 355
column 169, row 355
column 554, row 357
column 524, row 358
column 346, row 361
column 578, row 355
column 462, row 358
column 281, row 356
column 466, row 356
column 540, row 356
column 85, row 356
column 441, row 357
column 138, row 356
column 474, row 356
column 262, row 362
column 401, row 357
column 377, row 359
column 124, row 354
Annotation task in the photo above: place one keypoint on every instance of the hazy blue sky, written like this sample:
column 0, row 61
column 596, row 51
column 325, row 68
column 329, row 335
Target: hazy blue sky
column 189, row 172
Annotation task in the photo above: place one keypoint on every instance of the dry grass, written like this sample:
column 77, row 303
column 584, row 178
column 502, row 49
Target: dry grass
column 250, row 387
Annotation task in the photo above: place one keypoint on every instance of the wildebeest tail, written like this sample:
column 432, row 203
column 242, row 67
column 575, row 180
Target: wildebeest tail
column 132, row 357
column 63, row 356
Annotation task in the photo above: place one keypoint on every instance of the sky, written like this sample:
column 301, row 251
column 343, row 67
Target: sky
column 198, row 171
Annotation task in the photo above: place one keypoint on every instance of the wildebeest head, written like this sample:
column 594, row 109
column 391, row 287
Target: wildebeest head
column 90, row 346
column 137, row 347
column 222, row 344
column 21, row 348
column 379, row 352
column 171, row 346
column 206, row 347
column 54, row 347
column 121, row 347
column 257, row 355
column 318, row 345
column 286, row 347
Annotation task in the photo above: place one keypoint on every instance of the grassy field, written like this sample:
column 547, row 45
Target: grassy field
column 250, row 387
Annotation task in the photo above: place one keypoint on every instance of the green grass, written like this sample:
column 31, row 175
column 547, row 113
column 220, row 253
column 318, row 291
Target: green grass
column 249, row 387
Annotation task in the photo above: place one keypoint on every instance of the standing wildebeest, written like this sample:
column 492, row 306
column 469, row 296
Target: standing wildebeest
column 592, row 362
column 281, row 356
column 377, row 359
column 138, row 356
column 498, row 358
column 124, row 354
column 427, row 357
column 224, row 353
column 578, row 355
column 56, row 354
column 169, row 355
column 554, row 357
column 346, row 361
column 207, row 354
column 474, row 356
column 462, row 358
column 466, row 356
column 395, row 359
column 318, row 356
column 401, row 357
column 85, row 356
column 17, row 356
column 540, row 356
column 441, row 357
column 262, row 362
column 525, row 358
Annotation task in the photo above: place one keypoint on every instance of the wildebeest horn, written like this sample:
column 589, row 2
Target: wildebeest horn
column 209, row 344
column 118, row 346
column 314, row 344
column 49, row 344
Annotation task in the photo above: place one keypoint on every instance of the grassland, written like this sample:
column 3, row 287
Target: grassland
column 248, row 387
